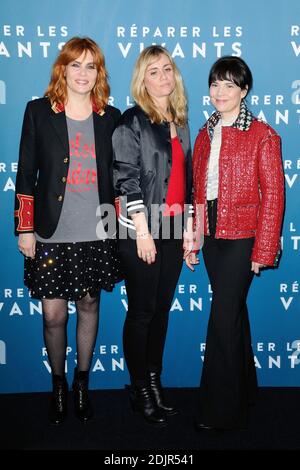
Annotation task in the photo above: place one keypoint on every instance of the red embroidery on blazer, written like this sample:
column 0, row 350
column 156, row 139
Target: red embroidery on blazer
column 25, row 212
column 59, row 108
column 117, row 206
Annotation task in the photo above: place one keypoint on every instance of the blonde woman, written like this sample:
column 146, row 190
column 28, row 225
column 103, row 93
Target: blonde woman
column 152, row 178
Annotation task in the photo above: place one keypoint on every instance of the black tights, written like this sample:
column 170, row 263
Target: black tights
column 55, row 319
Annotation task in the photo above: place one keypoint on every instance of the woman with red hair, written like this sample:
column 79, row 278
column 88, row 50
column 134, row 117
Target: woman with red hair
column 64, row 176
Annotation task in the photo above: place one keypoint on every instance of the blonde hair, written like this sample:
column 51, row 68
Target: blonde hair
column 57, row 88
column 177, row 99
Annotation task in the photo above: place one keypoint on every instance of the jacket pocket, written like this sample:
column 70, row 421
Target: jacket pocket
column 246, row 217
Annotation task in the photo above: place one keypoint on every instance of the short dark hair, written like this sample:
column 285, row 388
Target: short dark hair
column 234, row 69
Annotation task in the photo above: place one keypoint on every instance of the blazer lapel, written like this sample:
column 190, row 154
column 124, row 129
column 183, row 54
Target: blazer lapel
column 99, row 130
column 59, row 122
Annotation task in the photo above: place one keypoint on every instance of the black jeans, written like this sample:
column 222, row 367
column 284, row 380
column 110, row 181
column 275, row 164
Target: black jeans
column 228, row 382
column 150, row 290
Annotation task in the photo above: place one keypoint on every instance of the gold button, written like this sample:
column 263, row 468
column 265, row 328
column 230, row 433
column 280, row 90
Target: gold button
column 66, row 160
column 59, row 198
column 64, row 179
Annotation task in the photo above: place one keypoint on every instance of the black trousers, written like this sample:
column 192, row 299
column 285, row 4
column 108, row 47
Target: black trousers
column 228, row 383
column 150, row 290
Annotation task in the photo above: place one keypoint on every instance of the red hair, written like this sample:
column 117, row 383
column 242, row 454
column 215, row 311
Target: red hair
column 57, row 88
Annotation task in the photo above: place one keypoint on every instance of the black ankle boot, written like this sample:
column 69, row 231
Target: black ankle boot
column 82, row 406
column 157, row 395
column 141, row 401
column 58, row 405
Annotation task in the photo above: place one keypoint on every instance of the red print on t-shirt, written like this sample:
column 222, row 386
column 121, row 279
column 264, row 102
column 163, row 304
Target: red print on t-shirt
column 81, row 177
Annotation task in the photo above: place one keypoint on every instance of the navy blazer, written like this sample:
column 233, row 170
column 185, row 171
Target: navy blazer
column 44, row 163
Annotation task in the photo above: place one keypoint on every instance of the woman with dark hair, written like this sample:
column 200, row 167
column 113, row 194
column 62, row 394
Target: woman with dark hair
column 238, row 179
column 152, row 175
column 64, row 174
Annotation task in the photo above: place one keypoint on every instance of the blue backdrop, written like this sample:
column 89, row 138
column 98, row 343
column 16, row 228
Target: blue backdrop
column 267, row 35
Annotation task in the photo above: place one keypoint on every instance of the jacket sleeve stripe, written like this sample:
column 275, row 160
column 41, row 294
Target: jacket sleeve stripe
column 131, row 203
column 126, row 222
column 134, row 208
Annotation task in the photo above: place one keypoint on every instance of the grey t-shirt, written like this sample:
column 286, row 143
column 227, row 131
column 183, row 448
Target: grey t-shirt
column 78, row 221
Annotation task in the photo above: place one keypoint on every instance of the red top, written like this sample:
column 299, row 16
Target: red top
column 176, row 187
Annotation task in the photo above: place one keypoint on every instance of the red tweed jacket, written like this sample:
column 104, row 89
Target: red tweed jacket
column 251, row 183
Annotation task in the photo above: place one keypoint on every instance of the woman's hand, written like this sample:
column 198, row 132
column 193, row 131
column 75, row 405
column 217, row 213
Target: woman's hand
column 145, row 245
column 256, row 267
column 188, row 238
column 190, row 260
column 146, row 249
column 26, row 244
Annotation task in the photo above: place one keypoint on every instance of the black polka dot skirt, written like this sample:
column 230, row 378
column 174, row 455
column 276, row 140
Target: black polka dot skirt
column 72, row 270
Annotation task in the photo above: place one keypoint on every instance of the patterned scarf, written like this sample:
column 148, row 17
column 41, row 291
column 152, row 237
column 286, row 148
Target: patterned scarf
column 242, row 122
